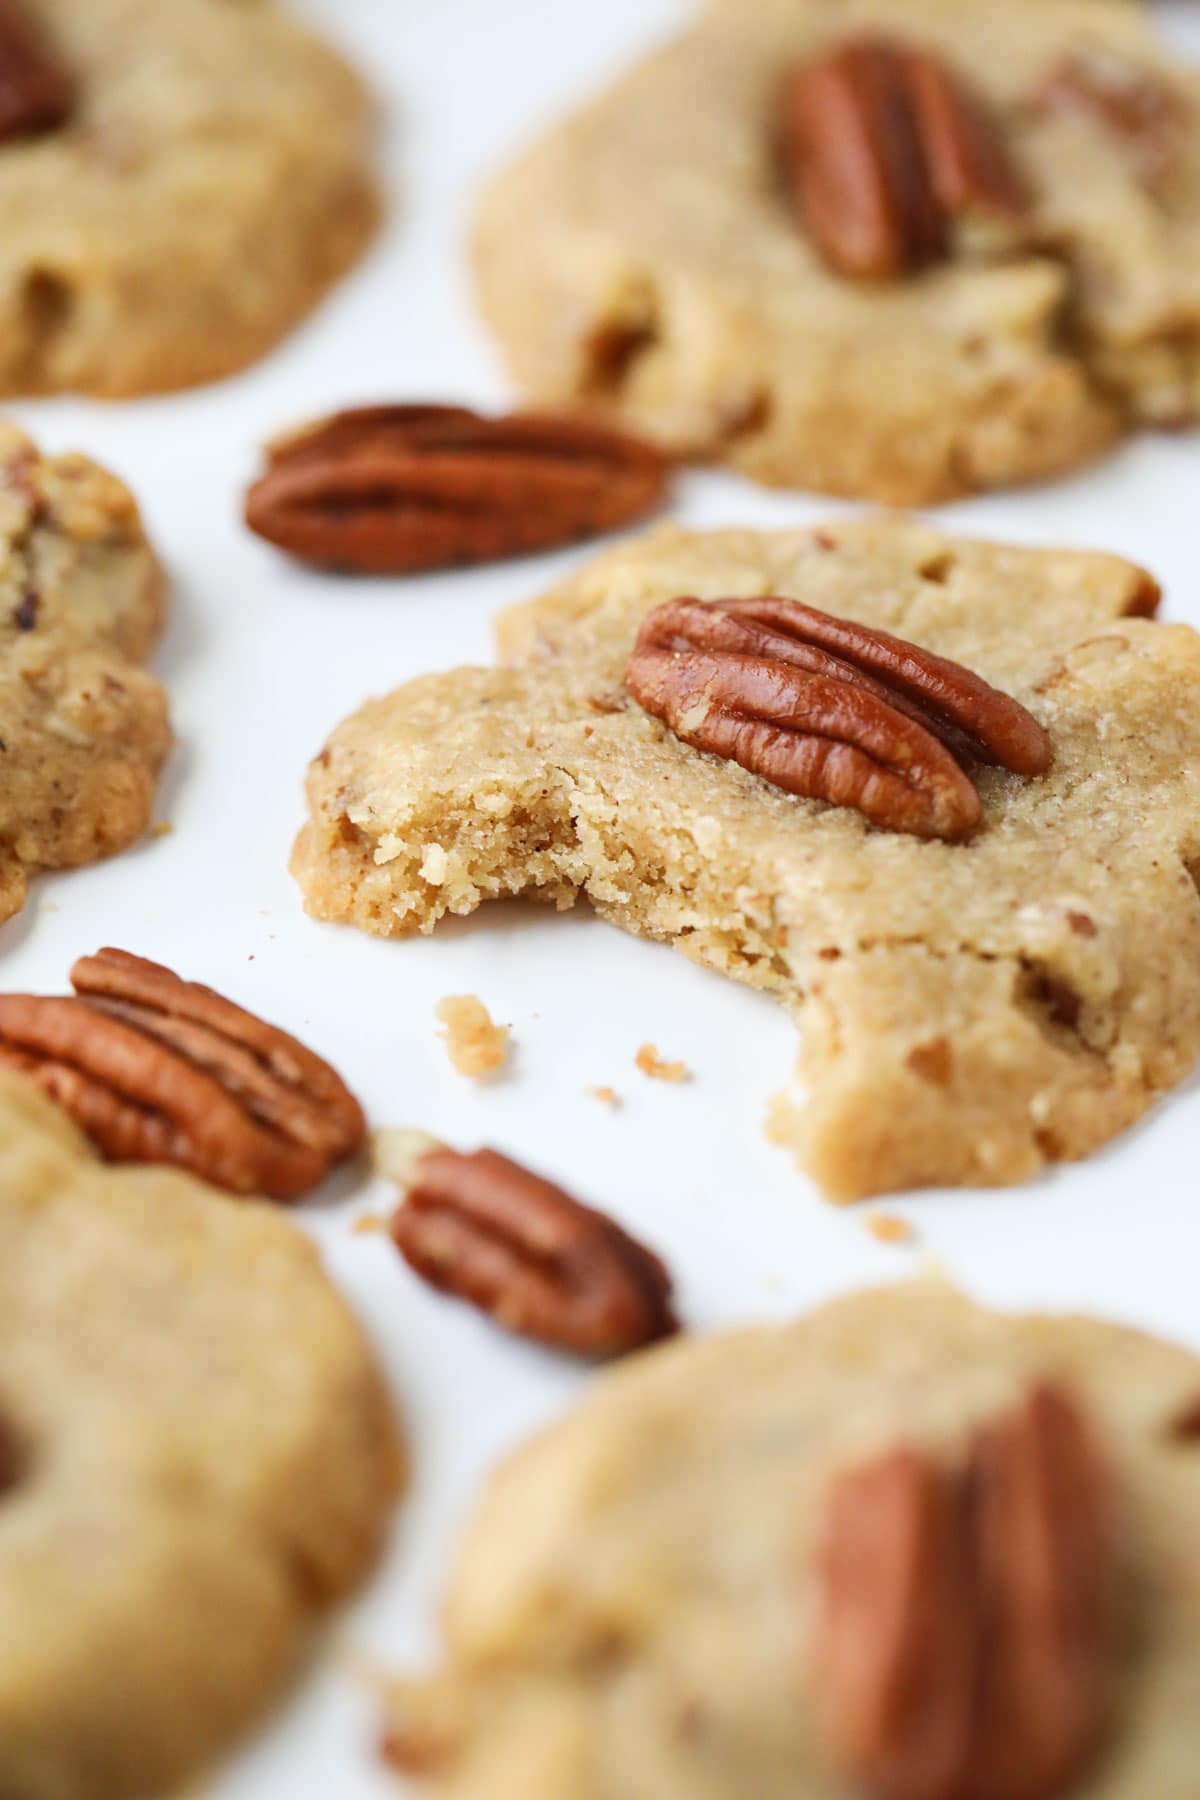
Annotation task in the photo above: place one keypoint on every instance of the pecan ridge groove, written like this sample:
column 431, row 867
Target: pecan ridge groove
column 493, row 1233
column 37, row 90
column 970, row 1629
column 156, row 1069
column 886, row 152
column 400, row 489
column 832, row 710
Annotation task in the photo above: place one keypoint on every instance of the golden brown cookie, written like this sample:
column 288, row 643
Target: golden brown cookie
column 969, row 1011
column 643, row 260
column 654, row 1598
column 83, row 729
column 199, row 1460
column 209, row 184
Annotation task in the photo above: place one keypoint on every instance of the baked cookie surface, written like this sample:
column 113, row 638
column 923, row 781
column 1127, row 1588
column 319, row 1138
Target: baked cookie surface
column 83, row 729
column 634, row 1611
column 200, row 1460
column 968, row 1012
column 643, row 261
column 211, row 182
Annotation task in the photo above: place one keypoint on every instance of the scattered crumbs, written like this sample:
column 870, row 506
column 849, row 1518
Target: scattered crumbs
column 250, row 958
column 607, row 1096
column 477, row 1046
column 367, row 1223
column 160, row 828
column 890, row 1228
column 651, row 1063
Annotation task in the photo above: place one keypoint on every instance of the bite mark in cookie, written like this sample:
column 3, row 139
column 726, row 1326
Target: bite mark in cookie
column 958, row 1025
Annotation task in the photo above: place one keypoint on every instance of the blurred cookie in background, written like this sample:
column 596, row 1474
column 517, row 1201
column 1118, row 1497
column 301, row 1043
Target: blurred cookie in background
column 179, row 185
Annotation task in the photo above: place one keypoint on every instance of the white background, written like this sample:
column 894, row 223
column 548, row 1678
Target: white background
column 262, row 659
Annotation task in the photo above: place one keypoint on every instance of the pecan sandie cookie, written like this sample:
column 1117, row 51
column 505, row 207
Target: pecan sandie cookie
column 83, row 728
column 903, row 1549
column 973, row 1003
column 197, row 1460
column 878, row 248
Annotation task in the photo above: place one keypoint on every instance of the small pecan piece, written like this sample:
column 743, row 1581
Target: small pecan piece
column 831, row 709
column 155, row 1069
column 886, row 151
column 969, row 1634
column 1138, row 108
column 494, row 1234
column 37, row 91
column 399, row 489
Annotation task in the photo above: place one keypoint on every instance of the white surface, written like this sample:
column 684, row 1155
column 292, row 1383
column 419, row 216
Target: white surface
column 262, row 660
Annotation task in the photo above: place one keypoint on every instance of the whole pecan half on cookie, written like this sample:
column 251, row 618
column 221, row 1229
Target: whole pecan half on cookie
column 156, row 1069
column 831, row 709
column 37, row 90
column 970, row 1626
column 888, row 154
column 490, row 1232
column 399, row 489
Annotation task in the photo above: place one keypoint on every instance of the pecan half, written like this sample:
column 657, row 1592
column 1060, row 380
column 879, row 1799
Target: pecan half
column 969, row 1632
column 1139, row 108
column 1184, row 1428
column 887, row 152
column 156, row 1069
column 494, row 1234
column 897, row 1645
column 398, row 489
column 1045, row 1538
column 37, row 90
column 831, row 709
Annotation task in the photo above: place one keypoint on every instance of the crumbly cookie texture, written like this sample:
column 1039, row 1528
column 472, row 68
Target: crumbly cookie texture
column 642, row 261
column 211, row 184
column 202, row 1461
column 83, row 730
column 633, row 1609
column 968, row 1012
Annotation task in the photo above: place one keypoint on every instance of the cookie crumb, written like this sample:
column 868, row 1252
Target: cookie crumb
column 607, row 1096
column 476, row 1046
column 890, row 1228
column 367, row 1223
column 651, row 1063
column 161, row 828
